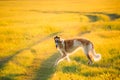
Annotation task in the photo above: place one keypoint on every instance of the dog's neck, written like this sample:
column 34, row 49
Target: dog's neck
column 62, row 42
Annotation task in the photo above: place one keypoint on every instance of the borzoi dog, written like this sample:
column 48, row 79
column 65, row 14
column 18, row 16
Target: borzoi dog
column 66, row 47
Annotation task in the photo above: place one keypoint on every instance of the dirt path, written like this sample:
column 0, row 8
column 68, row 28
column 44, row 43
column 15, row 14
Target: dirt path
column 91, row 16
column 41, row 69
column 5, row 60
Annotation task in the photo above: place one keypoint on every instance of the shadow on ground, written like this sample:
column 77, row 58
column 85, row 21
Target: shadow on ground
column 47, row 68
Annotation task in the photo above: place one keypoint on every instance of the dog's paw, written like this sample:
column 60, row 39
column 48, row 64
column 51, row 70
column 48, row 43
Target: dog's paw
column 90, row 63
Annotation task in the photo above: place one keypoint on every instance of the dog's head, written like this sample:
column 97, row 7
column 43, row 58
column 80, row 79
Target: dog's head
column 57, row 40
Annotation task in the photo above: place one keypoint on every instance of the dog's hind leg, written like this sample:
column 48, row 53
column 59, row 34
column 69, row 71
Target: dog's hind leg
column 90, row 59
column 87, row 52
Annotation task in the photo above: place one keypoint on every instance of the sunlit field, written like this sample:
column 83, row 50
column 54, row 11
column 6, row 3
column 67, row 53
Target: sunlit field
column 27, row 48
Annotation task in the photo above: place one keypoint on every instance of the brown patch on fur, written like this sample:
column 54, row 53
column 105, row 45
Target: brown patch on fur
column 60, row 45
column 68, row 44
column 85, row 42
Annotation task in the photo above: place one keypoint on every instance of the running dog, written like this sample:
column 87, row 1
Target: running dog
column 67, row 47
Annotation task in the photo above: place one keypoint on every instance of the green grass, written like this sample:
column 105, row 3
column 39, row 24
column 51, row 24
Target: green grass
column 27, row 49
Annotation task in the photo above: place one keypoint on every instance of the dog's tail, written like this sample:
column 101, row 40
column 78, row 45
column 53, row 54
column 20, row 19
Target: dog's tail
column 96, row 57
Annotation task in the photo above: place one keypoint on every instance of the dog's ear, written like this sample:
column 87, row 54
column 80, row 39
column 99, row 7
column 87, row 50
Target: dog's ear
column 56, row 37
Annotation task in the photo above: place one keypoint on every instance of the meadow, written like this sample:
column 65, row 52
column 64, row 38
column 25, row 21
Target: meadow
column 27, row 29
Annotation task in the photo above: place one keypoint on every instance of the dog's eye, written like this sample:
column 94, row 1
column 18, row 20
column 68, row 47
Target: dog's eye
column 56, row 41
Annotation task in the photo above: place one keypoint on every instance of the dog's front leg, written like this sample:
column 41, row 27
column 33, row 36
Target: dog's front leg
column 68, row 59
column 61, row 58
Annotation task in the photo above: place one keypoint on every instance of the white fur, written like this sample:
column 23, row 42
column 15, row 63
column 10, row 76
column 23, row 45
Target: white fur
column 97, row 57
column 62, row 42
column 77, row 43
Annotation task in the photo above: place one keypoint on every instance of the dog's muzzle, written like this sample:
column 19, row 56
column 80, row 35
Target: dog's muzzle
column 56, row 45
column 57, row 42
